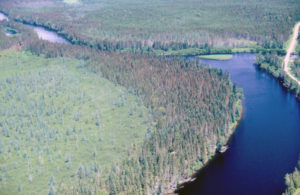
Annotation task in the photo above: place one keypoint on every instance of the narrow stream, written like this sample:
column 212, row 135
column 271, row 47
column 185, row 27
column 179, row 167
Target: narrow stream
column 266, row 144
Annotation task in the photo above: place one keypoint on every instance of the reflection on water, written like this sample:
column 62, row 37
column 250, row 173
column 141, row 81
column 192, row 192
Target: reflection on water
column 3, row 17
column 47, row 35
column 42, row 33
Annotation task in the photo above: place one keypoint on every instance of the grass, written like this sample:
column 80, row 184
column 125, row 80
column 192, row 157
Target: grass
column 72, row 1
column 214, row 51
column 288, row 42
column 55, row 116
column 237, row 117
column 182, row 52
column 216, row 57
column 191, row 51
column 243, row 49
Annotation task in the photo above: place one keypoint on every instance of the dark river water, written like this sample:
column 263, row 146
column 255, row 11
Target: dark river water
column 266, row 144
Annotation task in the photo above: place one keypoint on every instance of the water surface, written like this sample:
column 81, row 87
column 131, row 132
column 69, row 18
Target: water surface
column 48, row 35
column 42, row 32
column 3, row 17
column 266, row 144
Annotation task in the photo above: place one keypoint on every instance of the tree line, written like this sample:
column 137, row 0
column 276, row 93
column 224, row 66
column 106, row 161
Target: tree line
column 192, row 107
column 292, row 181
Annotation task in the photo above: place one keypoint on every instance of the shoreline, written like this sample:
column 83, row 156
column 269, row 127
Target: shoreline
column 183, row 53
column 193, row 177
column 215, row 155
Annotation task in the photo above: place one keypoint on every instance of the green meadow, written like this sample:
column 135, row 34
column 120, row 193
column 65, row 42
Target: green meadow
column 217, row 57
column 60, row 120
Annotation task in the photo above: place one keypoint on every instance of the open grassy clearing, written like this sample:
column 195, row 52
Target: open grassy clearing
column 288, row 42
column 72, row 1
column 216, row 57
column 60, row 120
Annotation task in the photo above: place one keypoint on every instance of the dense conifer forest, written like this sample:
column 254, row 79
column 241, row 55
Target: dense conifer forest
column 161, row 25
column 161, row 117
column 293, row 181
column 272, row 62
column 296, row 67
column 193, row 110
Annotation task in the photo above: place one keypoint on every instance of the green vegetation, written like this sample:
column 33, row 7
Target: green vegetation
column 216, row 57
column 192, row 108
column 193, row 111
column 58, row 121
column 293, row 181
column 297, row 50
column 72, row 1
column 194, row 51
column 161, row 25
column 272, row 62
column 243, row 50
column 295, row 67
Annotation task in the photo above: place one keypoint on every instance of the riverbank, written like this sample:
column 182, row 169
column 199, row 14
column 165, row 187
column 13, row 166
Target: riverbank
column 257, row 150
column 252, row 46
column 293, row 181
column 216, row 57
column 233, row 126
column 279, row 67
column 206, row 163
column 112, row 69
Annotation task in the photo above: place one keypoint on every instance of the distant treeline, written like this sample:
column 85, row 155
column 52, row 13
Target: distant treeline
column 144, row 27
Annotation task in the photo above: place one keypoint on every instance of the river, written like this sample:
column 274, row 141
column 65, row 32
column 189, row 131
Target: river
column 3, row 17
column 48, row 35
column 42, row 32
column 266, row 143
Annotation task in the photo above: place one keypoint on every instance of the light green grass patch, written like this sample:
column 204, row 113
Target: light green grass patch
column 55, row 116
column 216, row 57
column 242, row 50
column 288, row 42
column 72, row 1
